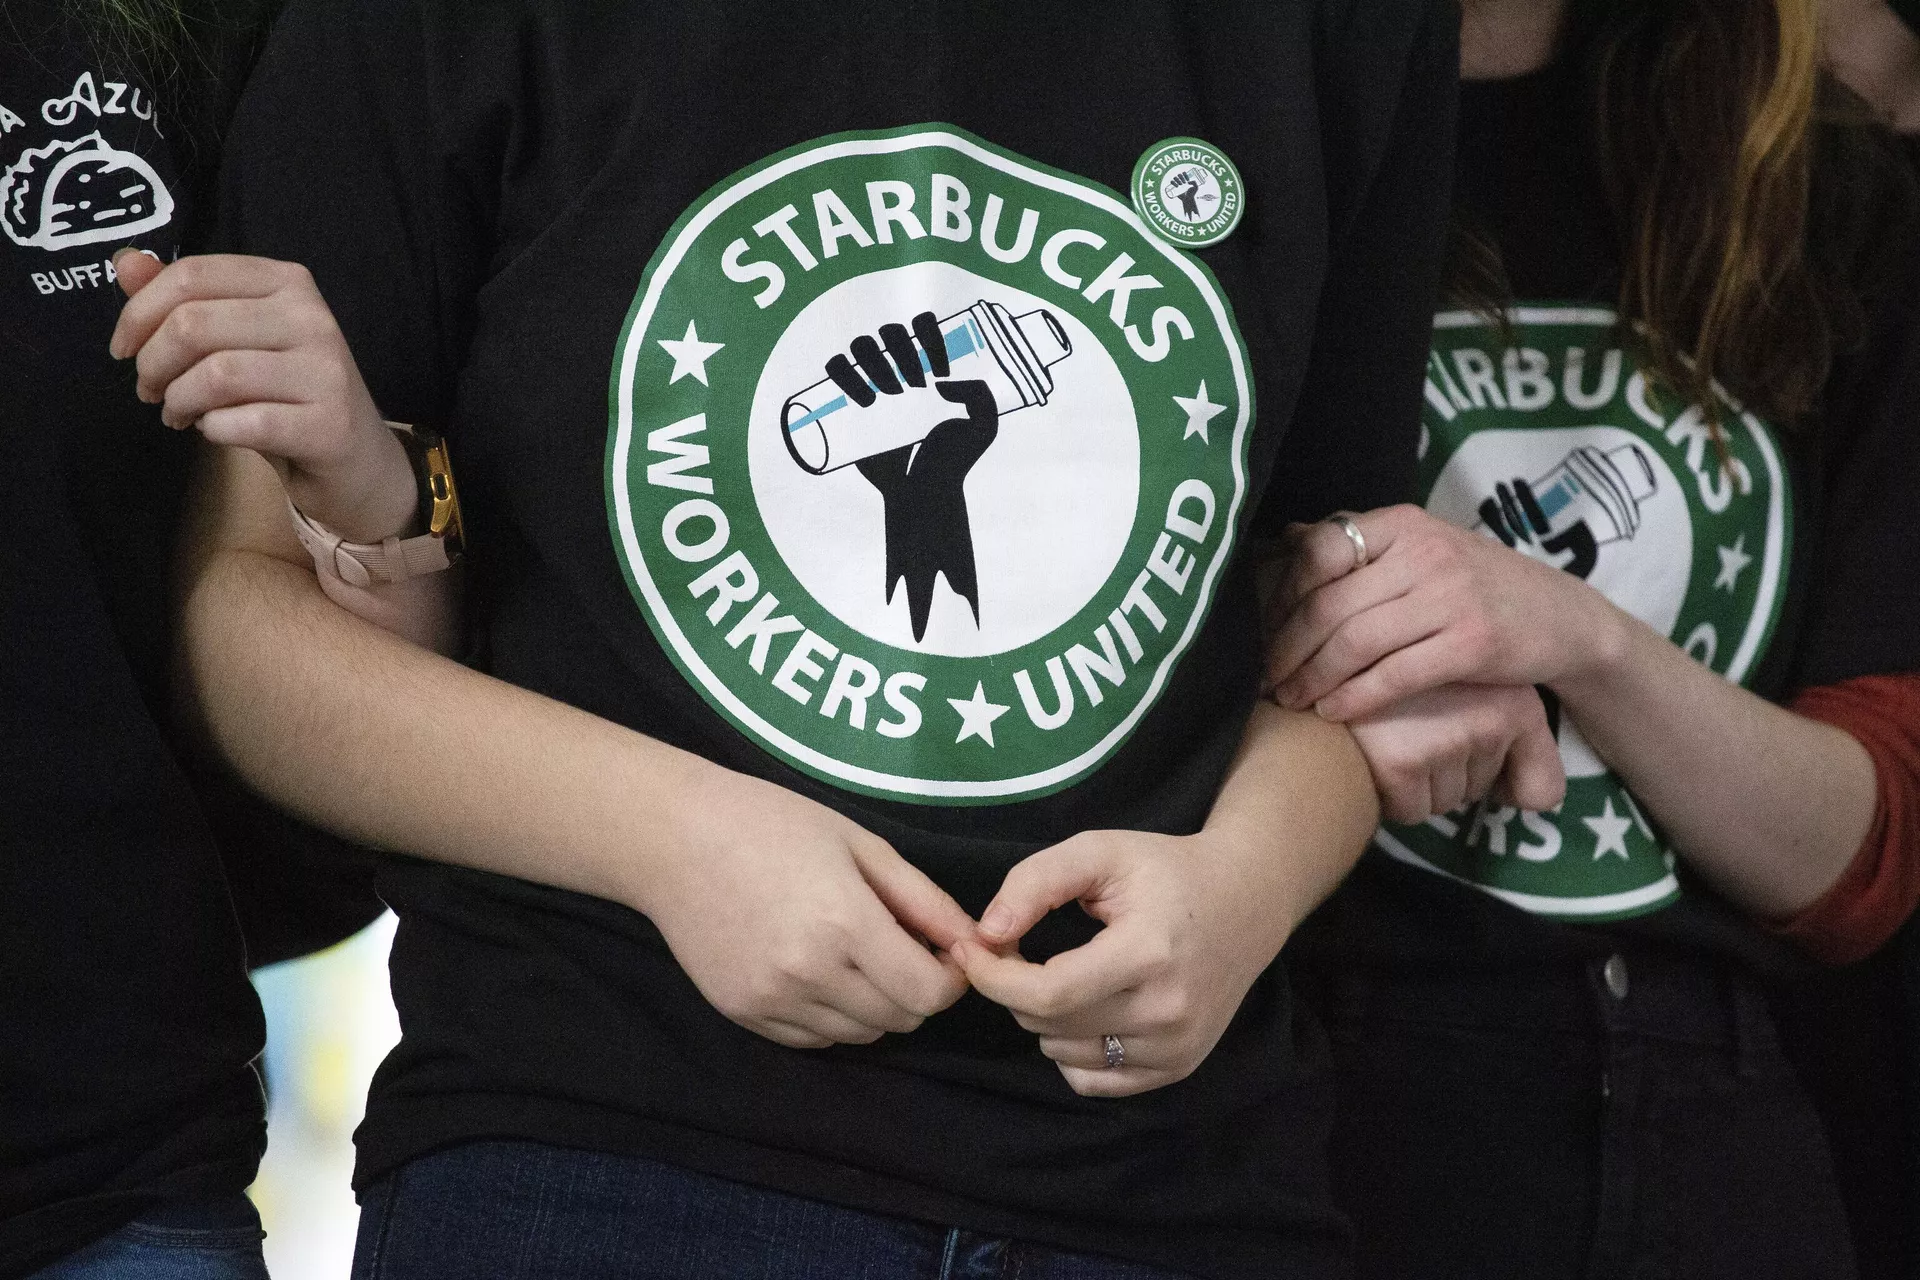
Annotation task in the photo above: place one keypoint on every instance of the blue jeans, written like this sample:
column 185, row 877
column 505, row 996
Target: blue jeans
column 204, row 1240
column 527, row 1211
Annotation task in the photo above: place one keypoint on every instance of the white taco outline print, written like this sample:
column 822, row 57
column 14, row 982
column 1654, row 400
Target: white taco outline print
column 36, row 210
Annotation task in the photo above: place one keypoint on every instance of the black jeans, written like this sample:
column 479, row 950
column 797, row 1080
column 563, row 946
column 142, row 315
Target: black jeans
column 535, row 1212
column 1577, row 1123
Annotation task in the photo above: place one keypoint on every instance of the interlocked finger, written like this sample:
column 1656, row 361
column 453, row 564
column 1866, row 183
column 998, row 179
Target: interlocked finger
column 196, row 328
column 232, row 377
column 837, row 1026
column 1405, row 672
column 1483, row 770
column 1117, row 1082
column 789, row 1034
column 1313, row 620
column 1320, row 553
column 1137, row 1052
column 854, row 994
column 1361, row 641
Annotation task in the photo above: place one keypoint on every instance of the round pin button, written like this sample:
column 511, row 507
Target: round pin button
column 1188, row 192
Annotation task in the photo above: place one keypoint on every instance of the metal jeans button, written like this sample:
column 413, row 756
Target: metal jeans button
column 1614, row 973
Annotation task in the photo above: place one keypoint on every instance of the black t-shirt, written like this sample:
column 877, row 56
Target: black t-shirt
column 1794, row 568
column 128, row 1030
column 615, row 254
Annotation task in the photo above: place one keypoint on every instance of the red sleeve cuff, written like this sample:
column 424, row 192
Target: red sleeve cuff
column 1875, row 894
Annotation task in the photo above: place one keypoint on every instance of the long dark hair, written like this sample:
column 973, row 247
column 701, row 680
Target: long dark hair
column 158, row 36
column 195, row 54
column 1756, row 202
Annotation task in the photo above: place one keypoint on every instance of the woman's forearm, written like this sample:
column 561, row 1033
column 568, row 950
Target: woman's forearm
column 1300, row 791
column 399, row 748
column 1766, row 804
column 425, row 610
column 391, row 744
column 788, row 917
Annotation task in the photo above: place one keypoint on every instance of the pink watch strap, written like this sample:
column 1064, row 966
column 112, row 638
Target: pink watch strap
column 363, row 563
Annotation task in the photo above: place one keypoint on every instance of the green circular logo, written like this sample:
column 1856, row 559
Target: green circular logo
column 1549, row 436
column 924, row 462
column 1189, row 192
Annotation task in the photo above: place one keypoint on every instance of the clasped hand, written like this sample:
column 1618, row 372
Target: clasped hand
column 245, row 349
column 800, row 925
column 1429, row 654
column 1190, row 923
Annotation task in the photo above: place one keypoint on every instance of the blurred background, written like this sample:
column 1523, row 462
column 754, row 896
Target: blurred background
column 330, row 1021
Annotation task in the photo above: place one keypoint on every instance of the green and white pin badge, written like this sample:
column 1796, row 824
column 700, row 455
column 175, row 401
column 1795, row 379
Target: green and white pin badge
column 1189, row 192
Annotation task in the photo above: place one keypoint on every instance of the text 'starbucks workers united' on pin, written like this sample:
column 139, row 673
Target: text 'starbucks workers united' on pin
column 1189, row 191
column 925, row 462
column 1557, row 446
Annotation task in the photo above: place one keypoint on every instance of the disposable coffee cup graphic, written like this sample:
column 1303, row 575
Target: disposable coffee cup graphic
column 1013, row 355
column 1604, row 490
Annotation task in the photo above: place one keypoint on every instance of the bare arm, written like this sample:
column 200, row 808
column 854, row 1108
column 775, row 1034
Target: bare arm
column 1303, row 778
column 787, row 916
column 1191, row 921
column 1768, row 805
column 300, row 697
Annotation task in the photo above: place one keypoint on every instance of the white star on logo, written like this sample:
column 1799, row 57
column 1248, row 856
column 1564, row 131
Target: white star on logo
column 1732, row 560
column 1609, row 832
column 977, row 715
column 690, row 355
column 1200, row 411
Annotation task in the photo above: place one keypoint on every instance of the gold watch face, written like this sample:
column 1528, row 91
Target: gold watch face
column 444, row 521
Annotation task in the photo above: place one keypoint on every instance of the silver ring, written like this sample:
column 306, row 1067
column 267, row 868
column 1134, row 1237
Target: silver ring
column 1116, row 1053
column 1358, row 539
